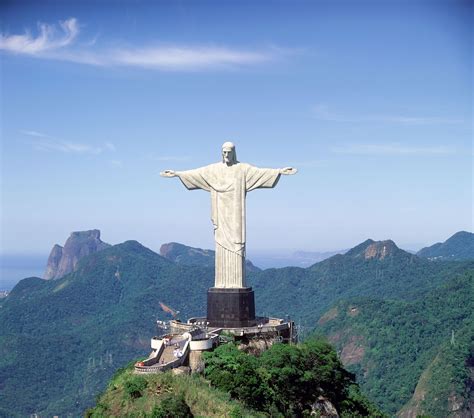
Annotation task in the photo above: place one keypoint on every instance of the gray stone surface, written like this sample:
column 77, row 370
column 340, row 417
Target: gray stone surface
column 63, row 260
column 54, row 259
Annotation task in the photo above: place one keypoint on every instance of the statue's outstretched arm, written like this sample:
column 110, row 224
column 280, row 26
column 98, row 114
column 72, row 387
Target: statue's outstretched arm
column 288, row 171
column 169, row 173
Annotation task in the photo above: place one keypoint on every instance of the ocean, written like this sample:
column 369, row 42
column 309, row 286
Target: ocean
column 14, row 267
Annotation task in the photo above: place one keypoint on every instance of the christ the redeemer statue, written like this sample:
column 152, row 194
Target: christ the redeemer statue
column 228, row 182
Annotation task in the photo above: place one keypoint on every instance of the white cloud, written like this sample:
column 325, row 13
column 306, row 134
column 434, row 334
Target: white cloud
column 183, row 57
column 392, row 149
column 322, row 112
column 34, row 133
column 47, row 39
column 116, row 163
column 52, row 144
column 51, row 43
column 46, row 142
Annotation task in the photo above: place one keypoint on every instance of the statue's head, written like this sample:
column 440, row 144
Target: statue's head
column 229, row 155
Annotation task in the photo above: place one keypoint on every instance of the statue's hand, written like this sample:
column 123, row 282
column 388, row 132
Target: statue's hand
column 288, row 171
column 168, row 173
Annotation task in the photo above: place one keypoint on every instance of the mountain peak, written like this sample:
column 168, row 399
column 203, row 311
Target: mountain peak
column 90, row 234
column 380, row 249
column 358, row 249
column 370, row 249
column 460, row 246
column 63, row 260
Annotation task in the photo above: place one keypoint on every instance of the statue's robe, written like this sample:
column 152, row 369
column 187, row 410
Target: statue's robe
column 228, row 186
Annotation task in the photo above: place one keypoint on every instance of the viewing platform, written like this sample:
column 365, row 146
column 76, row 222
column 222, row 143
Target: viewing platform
column 185, row 342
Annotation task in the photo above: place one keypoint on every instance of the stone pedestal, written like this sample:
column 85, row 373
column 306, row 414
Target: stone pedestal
column 231, row 308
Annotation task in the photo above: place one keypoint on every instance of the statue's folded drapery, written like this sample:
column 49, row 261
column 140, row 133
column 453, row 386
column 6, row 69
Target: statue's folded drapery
column 228, row 186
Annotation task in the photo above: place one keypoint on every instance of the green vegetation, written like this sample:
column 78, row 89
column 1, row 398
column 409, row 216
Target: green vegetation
column 448, row 386
column 172, row 407
column 190, row 256
column 286, row 380
column 61, row 340
column 399, row 340
column 164, row 395
column 458, row 247
column 399, row 275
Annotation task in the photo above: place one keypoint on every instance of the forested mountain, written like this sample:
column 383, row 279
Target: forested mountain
column 458, row 247
column 375, row 269
column 190, row 256
column 61, row 340
column 394, row 345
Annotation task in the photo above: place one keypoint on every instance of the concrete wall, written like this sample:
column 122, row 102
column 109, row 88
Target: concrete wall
column 196, row 363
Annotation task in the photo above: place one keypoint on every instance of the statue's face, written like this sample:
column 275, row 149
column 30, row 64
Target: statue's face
column 228, row 155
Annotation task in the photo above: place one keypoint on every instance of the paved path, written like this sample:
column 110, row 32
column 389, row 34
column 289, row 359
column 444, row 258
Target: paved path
column 167, row 354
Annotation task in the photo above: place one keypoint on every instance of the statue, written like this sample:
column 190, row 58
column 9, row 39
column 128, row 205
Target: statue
column 228, row 182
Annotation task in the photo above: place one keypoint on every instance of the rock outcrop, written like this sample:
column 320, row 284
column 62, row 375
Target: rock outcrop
column 54, row 260
column 380, row 249
column 63, row 260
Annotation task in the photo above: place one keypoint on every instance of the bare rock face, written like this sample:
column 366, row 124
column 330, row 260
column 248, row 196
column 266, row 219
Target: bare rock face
column 324, row 408
column 63, row 260
column 380, row 249
column 53, row 262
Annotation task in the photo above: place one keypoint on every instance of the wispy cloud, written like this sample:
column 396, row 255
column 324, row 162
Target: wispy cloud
column 116, row 163
column 322, row 112
column 392, row 149
column 60, row 44
column 110, row 146
column 184, row 57
column 34, row 133
column 66, row 147
column 44, row 142
column 48, row 39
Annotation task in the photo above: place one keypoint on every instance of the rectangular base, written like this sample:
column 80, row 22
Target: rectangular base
column 231, row 308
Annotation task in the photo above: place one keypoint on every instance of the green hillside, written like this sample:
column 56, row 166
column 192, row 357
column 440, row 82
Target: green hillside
column 61, row 340
column 390, row 344
column 163, row 395
column 372, row 269
column 284, row 381
column 458, row 247
column 191, row 256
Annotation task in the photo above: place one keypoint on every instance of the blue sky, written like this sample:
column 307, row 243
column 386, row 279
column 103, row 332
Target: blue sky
column 371, row 101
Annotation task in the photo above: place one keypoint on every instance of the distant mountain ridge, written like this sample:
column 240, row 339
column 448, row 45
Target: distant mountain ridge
column 103, row 313
column 63, row 260
column 190, row 256
column 375, row 249
column 372, row 268
column 460, row 246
